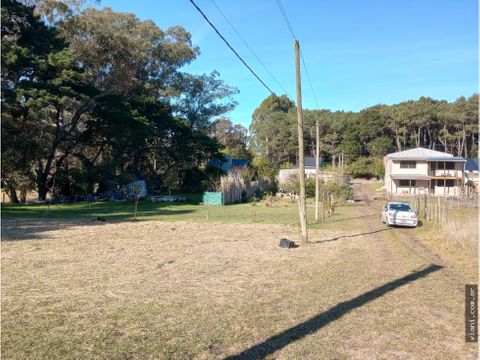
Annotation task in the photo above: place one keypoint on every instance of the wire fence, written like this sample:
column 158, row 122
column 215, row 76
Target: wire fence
column 435, row 208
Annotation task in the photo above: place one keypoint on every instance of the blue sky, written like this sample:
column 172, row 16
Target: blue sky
column 358, row 52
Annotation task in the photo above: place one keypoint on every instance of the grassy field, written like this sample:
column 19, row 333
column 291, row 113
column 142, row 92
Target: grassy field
column 185, row 288
column 281, row 212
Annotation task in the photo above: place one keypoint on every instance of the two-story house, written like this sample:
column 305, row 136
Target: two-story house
column 424, row 171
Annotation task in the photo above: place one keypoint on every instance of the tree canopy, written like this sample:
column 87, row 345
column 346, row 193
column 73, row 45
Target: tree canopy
column 373, row 132
column 92, row 95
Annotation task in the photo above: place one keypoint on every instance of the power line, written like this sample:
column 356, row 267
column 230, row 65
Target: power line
column 248, row 46
column 231, row 48
column 287, row 22
column 309, row 80
column 282, row 10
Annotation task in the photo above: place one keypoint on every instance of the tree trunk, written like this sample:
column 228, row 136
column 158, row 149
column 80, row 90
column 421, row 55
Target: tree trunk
column 397, row 140
column 42, row 191
column 430, row 139
column 473, row 148
column 23, row 196
column 12, row 193
column 41, row 182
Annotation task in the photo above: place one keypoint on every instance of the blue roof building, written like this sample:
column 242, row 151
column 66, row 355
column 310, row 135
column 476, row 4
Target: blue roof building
column 228, row 164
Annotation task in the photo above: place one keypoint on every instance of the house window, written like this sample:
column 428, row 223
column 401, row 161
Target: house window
column 408, row 164
column 449, row 183
column 446, row 165
column 407, row 183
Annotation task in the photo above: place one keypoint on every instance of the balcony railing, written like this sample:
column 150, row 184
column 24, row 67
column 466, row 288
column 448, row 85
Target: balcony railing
column 445, row 173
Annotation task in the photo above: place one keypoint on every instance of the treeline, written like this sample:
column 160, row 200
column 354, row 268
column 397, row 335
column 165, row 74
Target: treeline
column 373, row 132
column 91, row 97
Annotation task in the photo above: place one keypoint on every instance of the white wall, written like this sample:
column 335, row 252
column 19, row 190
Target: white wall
column 421, row 168
column 421, row 186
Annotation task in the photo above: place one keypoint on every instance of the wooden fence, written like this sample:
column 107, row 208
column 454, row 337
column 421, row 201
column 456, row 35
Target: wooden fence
column 236, row 189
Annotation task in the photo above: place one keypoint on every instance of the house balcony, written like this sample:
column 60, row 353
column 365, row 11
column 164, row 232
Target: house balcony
column 445, row 174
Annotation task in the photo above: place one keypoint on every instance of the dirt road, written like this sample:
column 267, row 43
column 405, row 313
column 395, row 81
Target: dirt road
column 183, row 290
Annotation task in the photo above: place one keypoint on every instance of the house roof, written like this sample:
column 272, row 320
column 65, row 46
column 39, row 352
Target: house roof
column 418, row 153
column 472, row 164
column 228, row 163
column 310, row 162
column 447, row 159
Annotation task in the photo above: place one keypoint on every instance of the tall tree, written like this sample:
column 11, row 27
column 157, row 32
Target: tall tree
column 202, row 98
column 273, row 130
column 124, row 55
column 232, row 137
column 43, row 91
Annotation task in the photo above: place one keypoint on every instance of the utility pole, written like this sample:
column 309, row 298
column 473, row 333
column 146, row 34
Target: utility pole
column 317, row 169
column 301, row 161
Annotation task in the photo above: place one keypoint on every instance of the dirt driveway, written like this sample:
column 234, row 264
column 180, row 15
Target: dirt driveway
column 182, row 290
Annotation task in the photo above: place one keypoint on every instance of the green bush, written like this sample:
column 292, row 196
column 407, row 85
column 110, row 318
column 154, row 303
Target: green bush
column 366, row 167
column 264, row 168
column 286, row 165
column 341, row 193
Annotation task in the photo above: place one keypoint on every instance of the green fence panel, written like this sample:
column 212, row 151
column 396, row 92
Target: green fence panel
column 212, row 198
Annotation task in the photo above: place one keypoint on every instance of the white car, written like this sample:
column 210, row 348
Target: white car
column 399, row 213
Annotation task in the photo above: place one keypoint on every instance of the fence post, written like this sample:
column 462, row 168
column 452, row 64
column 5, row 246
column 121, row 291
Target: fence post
column 439, row 209
column 445, row 212
column 425, row 206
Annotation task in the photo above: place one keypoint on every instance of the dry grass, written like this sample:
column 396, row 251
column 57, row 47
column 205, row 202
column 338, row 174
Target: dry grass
column 456, row 239
column 462, row 227
column 181, row 290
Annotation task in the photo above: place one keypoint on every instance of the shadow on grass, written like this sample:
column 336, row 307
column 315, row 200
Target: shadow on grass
column 349, row 236
column 33, row 226
column 117, row 210
column 299, row 331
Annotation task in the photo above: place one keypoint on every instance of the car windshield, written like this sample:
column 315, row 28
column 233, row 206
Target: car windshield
column 400, row 207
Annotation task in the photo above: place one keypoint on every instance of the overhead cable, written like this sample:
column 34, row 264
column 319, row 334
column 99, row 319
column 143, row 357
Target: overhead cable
column 249, row 47
column 231, row 48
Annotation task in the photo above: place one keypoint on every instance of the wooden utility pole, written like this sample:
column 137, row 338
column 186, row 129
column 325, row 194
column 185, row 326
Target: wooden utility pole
column 301, row 161
column 317, row 169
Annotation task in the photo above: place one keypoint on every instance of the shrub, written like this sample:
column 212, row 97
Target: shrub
column 286, row 165
column 341, row 193
column 264, row 168
column 366, row 167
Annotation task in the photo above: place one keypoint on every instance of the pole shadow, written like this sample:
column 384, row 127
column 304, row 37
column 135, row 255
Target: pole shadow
column 312, row 325
column 348, row 236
